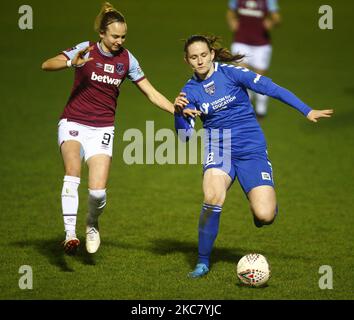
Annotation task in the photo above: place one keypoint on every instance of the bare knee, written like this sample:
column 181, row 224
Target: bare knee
column 72, row 168
column 214, row 198
column 263, row 204
column 264, row 214
column 215, row 185
column 73, row 172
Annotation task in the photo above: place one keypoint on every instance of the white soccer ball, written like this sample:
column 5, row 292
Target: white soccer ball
column 253, row 270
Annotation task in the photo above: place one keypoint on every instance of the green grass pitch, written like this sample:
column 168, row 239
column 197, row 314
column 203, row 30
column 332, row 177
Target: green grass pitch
column 149, row 227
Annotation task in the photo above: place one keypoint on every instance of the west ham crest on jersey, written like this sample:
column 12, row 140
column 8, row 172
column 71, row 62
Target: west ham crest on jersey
column 209, row 88
column 120, row 68
column 74, row 133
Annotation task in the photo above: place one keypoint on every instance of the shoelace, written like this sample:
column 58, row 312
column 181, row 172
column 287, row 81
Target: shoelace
column 91, row 234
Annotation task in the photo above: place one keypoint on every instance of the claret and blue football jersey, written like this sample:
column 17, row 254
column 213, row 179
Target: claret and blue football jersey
column 93, row 99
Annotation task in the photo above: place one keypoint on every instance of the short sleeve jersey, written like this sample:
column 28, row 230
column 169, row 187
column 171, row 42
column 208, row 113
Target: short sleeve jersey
column 251, row 14
column 93, row 99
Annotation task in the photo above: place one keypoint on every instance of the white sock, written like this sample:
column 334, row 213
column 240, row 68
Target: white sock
column 96, row 204
column 70, row 204
column 261, row 104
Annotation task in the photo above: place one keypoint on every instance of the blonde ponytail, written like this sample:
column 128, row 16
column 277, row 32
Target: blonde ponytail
column 107, row 15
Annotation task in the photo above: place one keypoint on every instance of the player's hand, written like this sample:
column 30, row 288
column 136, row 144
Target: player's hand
column 268, row 24
column 191, row 113
column 79, row 58
column 181, row 102
column 316, row 114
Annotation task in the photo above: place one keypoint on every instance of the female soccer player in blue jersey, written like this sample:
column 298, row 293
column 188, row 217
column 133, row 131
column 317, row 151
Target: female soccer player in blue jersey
column 234, row 142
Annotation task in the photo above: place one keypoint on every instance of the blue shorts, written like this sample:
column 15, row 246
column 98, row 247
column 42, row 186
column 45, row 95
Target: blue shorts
column 252, row 170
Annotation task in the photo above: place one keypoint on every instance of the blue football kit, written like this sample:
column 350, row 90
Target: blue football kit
column 233, row 139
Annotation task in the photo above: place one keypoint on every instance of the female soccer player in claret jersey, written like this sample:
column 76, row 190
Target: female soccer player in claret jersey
column 234, row 143
column 251, row 22
column 86, row 127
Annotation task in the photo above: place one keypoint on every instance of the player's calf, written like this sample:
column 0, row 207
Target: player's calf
column 70, row 204
column 96, row 203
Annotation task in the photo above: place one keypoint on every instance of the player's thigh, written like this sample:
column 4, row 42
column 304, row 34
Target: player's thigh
column 263, row 202
column 99, row 166
column 98, row 155
column 215, row 185
column 70, row 151
column 70, row 142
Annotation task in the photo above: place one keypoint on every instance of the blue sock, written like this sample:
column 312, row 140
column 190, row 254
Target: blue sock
column 208, row 231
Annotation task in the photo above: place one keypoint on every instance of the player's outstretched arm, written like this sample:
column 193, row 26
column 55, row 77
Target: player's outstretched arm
column 314, row 115
column 154, row 96
column 266, row 86
column 158, row 99
column 55, row 63
column 59, row 62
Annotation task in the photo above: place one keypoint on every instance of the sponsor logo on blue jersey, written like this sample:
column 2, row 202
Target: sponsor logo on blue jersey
column 266, row 176
column 223, row 102
column 204, row 108
column 256, row 79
